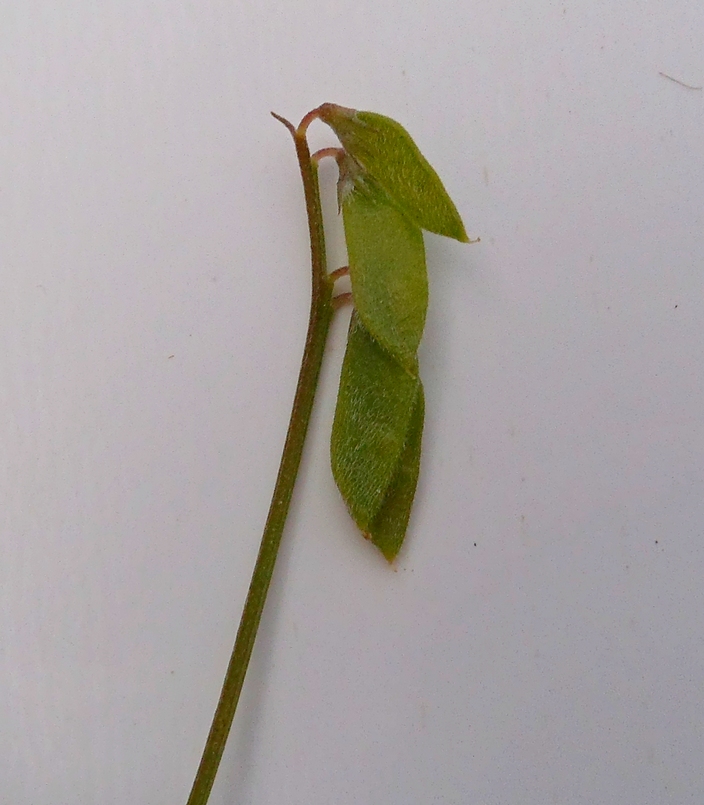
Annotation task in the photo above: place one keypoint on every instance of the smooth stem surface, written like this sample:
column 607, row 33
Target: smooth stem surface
column 320, row 315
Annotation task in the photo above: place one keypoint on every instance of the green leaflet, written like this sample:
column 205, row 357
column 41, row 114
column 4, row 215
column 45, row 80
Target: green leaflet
column 385, row 150
column 375, row 404
column 389, row 526
column 387, row 270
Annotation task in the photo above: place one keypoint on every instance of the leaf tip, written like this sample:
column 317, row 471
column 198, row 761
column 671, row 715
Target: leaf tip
column 390, row 556
column 388, row 552
column 462, row 235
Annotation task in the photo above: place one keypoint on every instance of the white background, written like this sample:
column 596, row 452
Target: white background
column 540, row 639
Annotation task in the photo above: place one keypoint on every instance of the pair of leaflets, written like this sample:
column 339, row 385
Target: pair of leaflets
column 388, row 192
column 376, row 439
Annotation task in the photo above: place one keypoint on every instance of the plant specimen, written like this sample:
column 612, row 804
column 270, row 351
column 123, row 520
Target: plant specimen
column 387, row 193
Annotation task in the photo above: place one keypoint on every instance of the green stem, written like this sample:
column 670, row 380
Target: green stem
column 320, row 315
